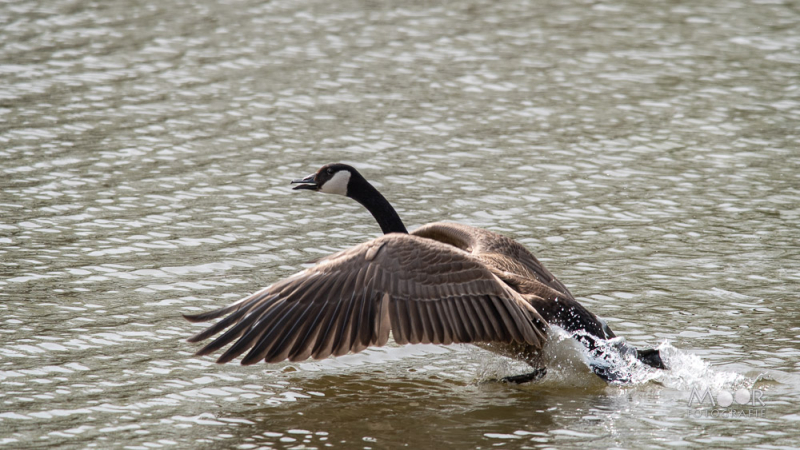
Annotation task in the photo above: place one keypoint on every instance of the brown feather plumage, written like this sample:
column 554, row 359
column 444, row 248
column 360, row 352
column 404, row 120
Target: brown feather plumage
column 422, row 290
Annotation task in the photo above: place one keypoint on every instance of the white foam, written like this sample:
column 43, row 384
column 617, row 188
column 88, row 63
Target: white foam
column 569, row 365
column 687, row 371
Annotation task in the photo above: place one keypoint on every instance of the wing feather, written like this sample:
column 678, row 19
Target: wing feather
column 400, row 321
column 261, row 343
column 460, row 330
column 252, row 335
column 363, row 330
column 234, row 332
column 324, row 346
column 383, row 323
column 421, row 290
column 283, row 341
column 493, row 325
column 304, row 343
column 418, row 334
column 509, row 325
column 343, row 326
column 468, row 318
column 441, row 315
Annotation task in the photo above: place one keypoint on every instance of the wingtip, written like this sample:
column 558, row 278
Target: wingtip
column 194, row 318
column 197, row 337
column 244, row 362
column 221, row 361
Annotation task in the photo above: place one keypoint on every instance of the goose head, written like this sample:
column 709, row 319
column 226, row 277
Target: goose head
column 329, row 179
column 338, row 178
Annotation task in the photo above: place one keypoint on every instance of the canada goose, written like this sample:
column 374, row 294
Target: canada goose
column 442, row 283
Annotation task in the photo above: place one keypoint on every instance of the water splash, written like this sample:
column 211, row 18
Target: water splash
column 687, row 371
column 569, row 365
column 570, row 361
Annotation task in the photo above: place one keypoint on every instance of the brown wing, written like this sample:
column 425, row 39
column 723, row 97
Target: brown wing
column 495, row 250
column 421, row 290
column 520, row 270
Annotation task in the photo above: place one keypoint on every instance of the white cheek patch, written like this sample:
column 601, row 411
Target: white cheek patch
column 337, row 184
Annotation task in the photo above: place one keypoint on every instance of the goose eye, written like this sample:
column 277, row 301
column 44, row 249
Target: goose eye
column 329, row 171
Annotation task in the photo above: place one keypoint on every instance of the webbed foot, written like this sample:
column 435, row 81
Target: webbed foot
column 525, row 378
column 651, row 357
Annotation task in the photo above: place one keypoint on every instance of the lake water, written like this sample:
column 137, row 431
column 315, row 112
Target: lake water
column 647, row 152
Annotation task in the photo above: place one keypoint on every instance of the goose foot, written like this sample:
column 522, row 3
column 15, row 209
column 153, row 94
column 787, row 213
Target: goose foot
column 609, row 375
column 525, row 378
column 651, row 357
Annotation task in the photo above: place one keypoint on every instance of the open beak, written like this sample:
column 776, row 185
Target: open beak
column 309, row 182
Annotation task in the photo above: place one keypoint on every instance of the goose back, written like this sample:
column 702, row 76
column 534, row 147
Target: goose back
column 520, row 270
column 502, row 253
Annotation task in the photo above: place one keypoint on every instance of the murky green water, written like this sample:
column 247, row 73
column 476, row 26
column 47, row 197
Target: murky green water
column 646, row 152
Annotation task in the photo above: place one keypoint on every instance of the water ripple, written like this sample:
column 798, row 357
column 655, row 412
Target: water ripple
column 646, row 153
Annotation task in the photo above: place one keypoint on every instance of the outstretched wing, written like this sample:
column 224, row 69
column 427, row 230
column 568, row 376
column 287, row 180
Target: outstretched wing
column 423, row 291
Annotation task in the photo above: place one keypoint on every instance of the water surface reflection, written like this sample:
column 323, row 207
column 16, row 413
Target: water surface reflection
column 646, row 153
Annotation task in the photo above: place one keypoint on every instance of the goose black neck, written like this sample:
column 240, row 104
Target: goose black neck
column 361, row 191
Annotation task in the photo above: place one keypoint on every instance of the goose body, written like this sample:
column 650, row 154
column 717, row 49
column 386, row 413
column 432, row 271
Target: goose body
column 443, row 283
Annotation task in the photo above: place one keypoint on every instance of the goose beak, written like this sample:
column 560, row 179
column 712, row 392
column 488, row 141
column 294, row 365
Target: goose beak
column 309, row 182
